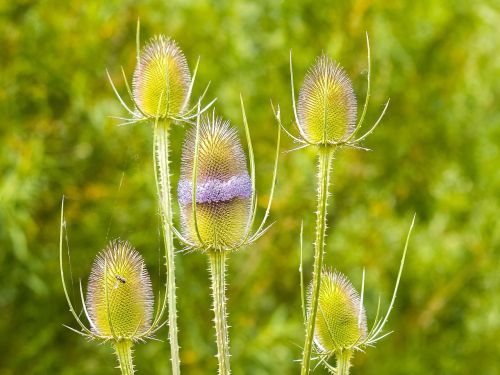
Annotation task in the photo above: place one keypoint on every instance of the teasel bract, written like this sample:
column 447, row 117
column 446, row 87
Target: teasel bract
column 340, row 325
column 161, row 90
column 217, row 200
column 325, row 116
column 119, row 302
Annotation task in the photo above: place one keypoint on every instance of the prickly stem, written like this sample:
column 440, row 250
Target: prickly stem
column 164, row 192
column 324, row 165
column 123, row 350
column 344, row 362
column 218, row 274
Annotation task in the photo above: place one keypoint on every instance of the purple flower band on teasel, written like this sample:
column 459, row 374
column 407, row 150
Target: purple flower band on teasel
column 215, row 190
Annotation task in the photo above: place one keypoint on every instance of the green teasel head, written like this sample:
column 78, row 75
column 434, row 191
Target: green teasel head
column 119, row 296
column 223, row 186
column 161, row 81
column 119, row 301
column 326, row 111
column 327, row 107
column 341, row 324
column 341, row 318
column 161, row 84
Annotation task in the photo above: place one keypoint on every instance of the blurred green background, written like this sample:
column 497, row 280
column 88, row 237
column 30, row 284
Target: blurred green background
column 436, row 153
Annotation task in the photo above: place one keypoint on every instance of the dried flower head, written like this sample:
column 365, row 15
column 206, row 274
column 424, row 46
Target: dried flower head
column 223, row 186
column 327, row 107
column 161, row 80
column 341, row 318
column 119, row 296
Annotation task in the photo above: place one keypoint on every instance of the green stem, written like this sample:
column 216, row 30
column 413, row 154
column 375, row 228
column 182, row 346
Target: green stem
column 324, row 165
column 344, row 362
column 164, row 192
column 218, row 276
column 123, row 350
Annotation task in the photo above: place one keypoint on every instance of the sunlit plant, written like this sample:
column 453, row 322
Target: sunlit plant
column 325, row 117
column 119, row 301
column 160, row 94
column 218, row 206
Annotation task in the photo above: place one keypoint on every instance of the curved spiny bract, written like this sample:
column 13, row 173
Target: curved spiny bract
column 119, row 296
column 223, row 186
column 341, row 318
column 327, row 107
column 161, row 80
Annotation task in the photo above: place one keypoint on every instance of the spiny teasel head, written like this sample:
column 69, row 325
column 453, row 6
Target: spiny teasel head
column 326, row 111
column 223, row 186
column 161, row 82
column 327, row 107
column 341, row 319
column 119, row 296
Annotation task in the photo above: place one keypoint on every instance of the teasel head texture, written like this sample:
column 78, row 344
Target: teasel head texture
column 327, row 107
column 326, row 111
column 216, row 192
column 161, row 81
column 119, row 301
column 341, row 325
column 119, row 296
column 161, row 84
column 341, row 318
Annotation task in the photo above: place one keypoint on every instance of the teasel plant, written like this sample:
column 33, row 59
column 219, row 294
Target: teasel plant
column 160, row 94
column 119, row 302
column 341, row 325
column 326, row 118
column 218, row 204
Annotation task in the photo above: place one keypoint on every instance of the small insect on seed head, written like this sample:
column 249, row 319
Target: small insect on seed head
column 341, row 319
column 120, row 279
column 161, row 80
column 223, row 186
column 327, row 107
column 119, row 297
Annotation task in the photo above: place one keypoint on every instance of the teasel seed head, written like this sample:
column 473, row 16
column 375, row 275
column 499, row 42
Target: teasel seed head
column 341, row 318
column 327, row 107
column 161, row 81
column 119, row 296
column 223, row 186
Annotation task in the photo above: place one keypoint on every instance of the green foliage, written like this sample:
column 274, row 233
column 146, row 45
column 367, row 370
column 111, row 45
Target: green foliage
column 436, row 153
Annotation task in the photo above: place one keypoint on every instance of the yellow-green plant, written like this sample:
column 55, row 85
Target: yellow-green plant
column 325, row 117
column 119, row 302
column 161, row 90
column 340, row 325
column 218, row 206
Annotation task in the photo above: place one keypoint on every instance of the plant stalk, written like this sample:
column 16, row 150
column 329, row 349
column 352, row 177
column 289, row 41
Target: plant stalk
column 123, row 350
column 164, row 191
column 344, row 362
column 218, row 276
column 324, row 166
